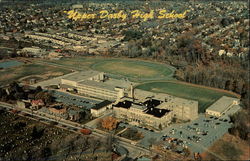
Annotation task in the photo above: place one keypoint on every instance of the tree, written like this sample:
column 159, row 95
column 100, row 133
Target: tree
column 173, row 147
column 131, row 34
column 108, row 142
column 132, row 133
column 45, row 96
column 109, row 123
column 187, row 152
column 160, row 127
column 240, row 127
column 46, row 153
column 14, row 86
column 225, row 22
column 2, row 93
column 94, row 144
column 38, row 89
column 174, row 119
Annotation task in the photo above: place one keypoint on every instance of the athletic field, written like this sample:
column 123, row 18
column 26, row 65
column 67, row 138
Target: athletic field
column 135, row 70
column 15, row 73
column 204, row 96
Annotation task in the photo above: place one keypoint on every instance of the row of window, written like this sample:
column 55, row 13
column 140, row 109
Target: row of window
column 98, row 91
column 137, row 117
column 95, row 94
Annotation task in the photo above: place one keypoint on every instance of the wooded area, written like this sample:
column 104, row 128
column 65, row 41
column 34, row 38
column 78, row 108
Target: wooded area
column 194, row 62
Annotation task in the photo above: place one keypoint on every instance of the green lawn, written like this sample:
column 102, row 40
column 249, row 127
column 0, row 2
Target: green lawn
column 135, row 70
column 81, row 63
column 205, row 97
column 15, row 73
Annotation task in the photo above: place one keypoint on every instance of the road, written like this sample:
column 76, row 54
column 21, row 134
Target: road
column 136, row 151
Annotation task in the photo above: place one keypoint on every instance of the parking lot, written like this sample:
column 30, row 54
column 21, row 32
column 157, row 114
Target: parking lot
column 200, row 133
column 75, row 100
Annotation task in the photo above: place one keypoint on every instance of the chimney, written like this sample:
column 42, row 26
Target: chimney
column 132, row 91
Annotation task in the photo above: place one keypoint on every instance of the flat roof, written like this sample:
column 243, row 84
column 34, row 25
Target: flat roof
column 80, row 76
column 83, row 77
column 151, row 103
column 118, row 83
column 169, row 101
column 146, row 109
column 138, row 106
column 124, row 104
column 109, row 84
column 222, row 104
column 66, row 86
column 157, row 112
column 102, row 104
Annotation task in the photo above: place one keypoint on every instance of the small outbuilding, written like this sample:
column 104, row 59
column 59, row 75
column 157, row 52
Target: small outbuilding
column 222, row 105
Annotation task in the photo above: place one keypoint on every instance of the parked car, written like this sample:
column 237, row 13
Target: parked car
column 85, row 131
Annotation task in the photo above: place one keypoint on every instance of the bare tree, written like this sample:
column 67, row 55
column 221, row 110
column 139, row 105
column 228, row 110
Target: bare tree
column 109, row 142
column 187, row 152
column 94, row 144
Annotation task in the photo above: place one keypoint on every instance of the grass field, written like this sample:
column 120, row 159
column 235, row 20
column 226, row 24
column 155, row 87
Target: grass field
column 205, row 97
column 132, row 69
column 15, row 73
column 76, row 62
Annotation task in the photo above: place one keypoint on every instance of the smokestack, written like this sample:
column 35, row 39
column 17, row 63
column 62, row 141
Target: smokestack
column 132, row 91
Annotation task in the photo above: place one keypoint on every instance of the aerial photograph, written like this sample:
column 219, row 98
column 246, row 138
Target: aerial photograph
column 124, row 80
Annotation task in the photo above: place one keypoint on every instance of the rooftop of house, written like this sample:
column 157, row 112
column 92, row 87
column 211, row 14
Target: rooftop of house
column 37, row 102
